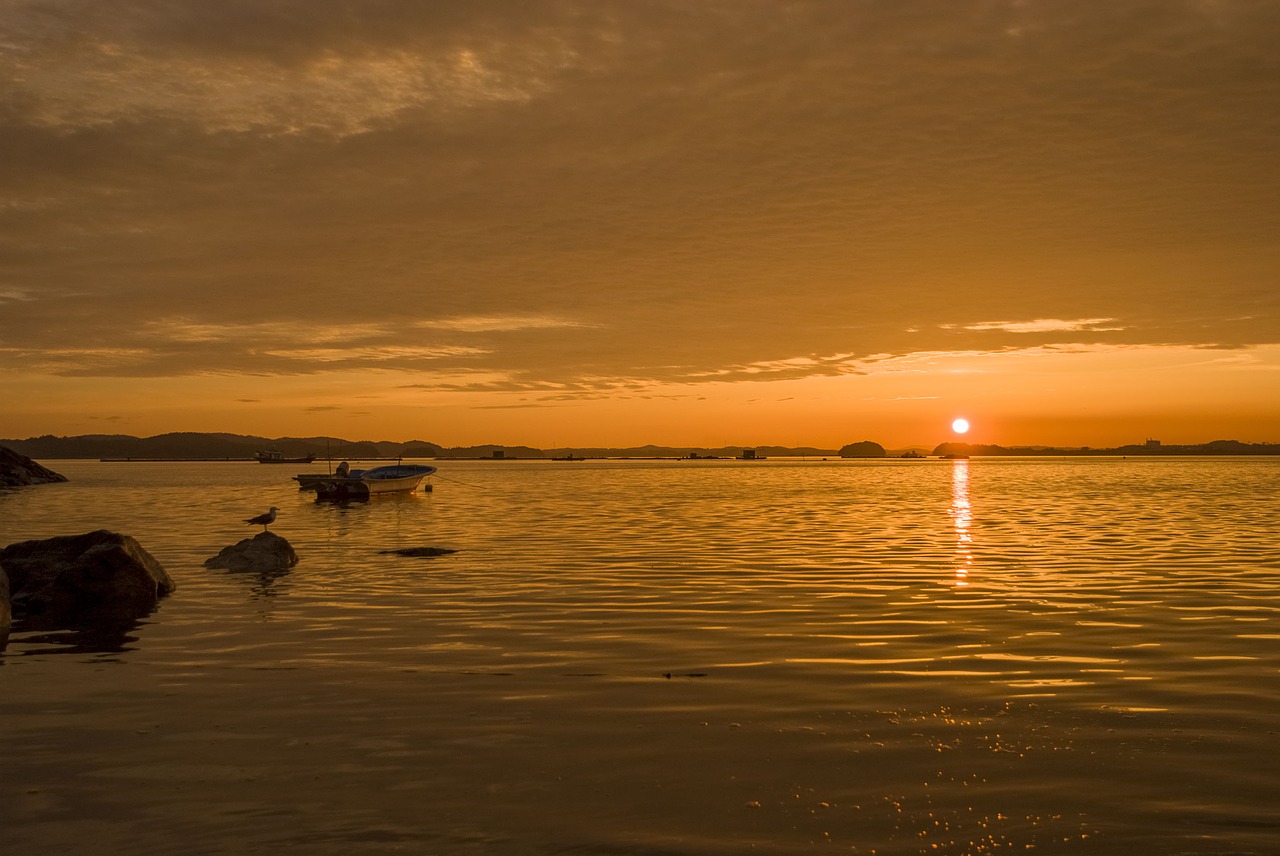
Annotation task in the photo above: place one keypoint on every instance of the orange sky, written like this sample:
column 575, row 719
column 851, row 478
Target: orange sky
column 611, row 223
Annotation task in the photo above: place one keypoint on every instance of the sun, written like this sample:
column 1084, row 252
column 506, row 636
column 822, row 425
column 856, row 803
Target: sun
column 960, row 426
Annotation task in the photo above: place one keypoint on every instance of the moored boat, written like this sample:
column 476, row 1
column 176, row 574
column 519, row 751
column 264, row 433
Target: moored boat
column 310, row 481
column 361, row 484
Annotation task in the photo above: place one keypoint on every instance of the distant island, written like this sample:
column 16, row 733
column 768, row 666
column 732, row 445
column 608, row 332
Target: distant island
column 238, row 447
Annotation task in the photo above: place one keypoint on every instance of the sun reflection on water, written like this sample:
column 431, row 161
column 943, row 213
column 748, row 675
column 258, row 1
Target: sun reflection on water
column 962, row 518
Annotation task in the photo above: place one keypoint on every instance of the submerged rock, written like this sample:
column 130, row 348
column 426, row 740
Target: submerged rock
column 265, row 551
column 18, row 470
column 97, row 579
column 420, row 552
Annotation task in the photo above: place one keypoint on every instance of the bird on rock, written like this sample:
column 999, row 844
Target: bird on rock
column 264, row 519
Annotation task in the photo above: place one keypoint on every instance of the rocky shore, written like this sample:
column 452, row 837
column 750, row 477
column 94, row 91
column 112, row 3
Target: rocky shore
column 19, row 470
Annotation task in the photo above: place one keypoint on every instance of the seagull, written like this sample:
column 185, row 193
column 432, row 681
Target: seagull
column 264, row 519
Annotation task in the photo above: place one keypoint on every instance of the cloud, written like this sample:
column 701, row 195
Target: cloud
column 500, row 323
column 582, row 388
column 374, row 354
column 14, row 295
column 74, row 361
column 1044, row 325
column 281, row 68
column 182, row 330
column 522, row 406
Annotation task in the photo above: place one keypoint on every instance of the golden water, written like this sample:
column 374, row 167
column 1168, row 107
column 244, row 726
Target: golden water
column 1078, row 656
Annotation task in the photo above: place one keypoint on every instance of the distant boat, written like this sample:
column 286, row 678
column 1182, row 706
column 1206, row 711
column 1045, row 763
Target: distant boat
column 275, row 456
column 361, row 484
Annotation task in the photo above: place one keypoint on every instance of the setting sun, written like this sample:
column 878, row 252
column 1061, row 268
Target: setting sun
column 960, row 426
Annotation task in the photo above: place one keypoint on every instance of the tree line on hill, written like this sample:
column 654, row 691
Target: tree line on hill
column 232, row 447
column 189, row 445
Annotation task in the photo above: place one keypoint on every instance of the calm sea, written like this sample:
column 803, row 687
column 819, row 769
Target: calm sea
column 668, row 657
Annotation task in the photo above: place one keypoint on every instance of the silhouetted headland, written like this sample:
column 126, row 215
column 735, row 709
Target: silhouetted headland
column 18, row 470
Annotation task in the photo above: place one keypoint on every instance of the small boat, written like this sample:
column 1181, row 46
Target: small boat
column 310, row 481
column 361, row 484
column 275, row 456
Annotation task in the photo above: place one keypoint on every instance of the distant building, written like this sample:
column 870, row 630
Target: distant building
column 748, row 454
column 1153, row 444
column 499, row 453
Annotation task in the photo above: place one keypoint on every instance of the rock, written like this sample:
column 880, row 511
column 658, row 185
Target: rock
column 420, row 552
column 264, row 552
column 17, row 470
column 6, row 612
column 97, row 579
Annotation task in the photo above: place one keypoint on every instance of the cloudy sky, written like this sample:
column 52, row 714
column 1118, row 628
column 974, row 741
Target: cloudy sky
column 595, row 222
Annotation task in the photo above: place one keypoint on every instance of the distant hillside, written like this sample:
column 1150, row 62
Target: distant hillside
column 688, row 451
column 1216, row 447
column 188, row 445
column 241, row 447
column 214, row 446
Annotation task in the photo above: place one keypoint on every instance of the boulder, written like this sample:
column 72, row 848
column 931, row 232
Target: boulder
column 6, row 613
column 97, row 579
column 262, row 553
column 17, row 470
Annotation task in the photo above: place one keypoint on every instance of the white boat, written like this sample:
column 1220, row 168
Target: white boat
column 361, row 484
